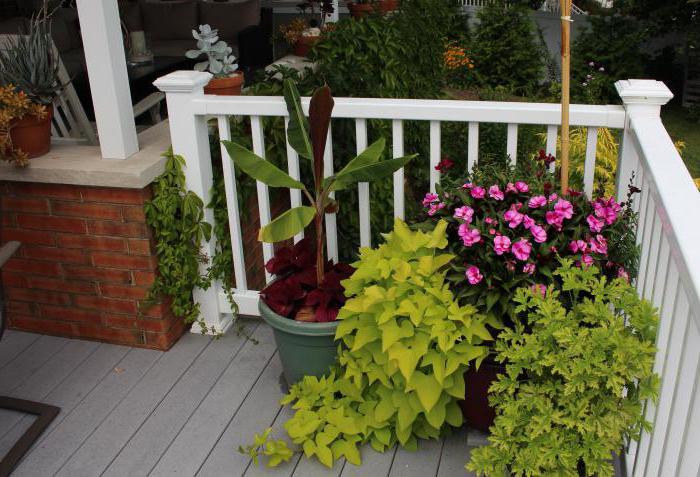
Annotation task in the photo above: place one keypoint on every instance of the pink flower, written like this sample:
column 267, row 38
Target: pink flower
column 586, row 260
column 539, row 290
column 501, row 244
column 513, row 217
column 465, row 213
column 429, row 199
column 538, row 233
column 478, row 192
column 622, row 273
column 469, row 236
column 510, row 265
column 435, row 207
column 521, row 249
column 496, row 193
column 552, row 197
column 537, row 202
column 473, row 275
column 490, row 221
column 595, row 224
column 510, row 188
column 607, row 210
column 529, row 268
column 578, row 246
column 554, row 219
column 564, row 208
column 599, row 245
column 521, row 186
column 467, row 185
column 492, row 231
column 528, row 222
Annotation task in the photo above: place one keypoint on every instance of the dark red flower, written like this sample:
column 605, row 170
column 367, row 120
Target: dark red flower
column 445, row 164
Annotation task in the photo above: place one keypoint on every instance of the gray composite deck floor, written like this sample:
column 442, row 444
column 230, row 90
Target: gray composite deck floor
column 131, row 412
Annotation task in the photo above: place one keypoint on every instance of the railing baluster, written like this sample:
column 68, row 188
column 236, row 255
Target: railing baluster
column 397, row 136
column 652, row 261
column 690, row 457
column 434, row 154
column 589, row 165
column 331, row 225
column 263, row 193
column 645, row 243
column 662, row 267
column 642, row 211
column 552, row 131
column 512, row 143
column 473, row 146
column 234, row 219
column 293, row 167
column 363, row 187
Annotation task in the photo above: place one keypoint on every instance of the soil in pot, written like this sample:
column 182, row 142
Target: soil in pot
column 229, row 86
column 33, row 135
column 359, row 10
column 304, row 45
column 305, row 349
column 477, row 412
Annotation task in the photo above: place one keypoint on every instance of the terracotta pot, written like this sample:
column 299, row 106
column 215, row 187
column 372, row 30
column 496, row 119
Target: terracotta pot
column 477, row 412
column 359, row 10
column 386, row 6
column 32, row 135
column 229, row 86
column 304, row 45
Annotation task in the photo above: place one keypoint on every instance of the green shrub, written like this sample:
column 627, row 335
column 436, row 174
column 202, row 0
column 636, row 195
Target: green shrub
column 578, row 371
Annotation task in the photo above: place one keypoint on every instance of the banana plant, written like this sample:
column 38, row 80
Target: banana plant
column 308, row 138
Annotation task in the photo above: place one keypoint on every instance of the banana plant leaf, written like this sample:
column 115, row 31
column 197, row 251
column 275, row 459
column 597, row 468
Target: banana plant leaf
column 369, row 172
column 260, row 169
column 287, row 225
column 298, row 130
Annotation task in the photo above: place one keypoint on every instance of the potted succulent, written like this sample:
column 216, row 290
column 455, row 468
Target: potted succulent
column 29, row 66
column 511, row 233
column 302, row 304
column 227, row 81
column 361, row 8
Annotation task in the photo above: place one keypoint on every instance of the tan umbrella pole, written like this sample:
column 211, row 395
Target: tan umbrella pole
column 565, row 6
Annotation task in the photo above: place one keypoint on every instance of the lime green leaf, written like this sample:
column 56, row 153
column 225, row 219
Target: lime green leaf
column 258, row 168
column 427, row 388
column 287, row 225
column 369, row 156
column 370, row 172
column 298, row 130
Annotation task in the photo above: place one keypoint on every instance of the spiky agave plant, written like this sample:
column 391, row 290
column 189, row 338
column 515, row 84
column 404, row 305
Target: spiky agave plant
column 308, row 138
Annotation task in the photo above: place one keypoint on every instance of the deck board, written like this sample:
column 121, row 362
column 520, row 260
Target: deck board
column 137, row 412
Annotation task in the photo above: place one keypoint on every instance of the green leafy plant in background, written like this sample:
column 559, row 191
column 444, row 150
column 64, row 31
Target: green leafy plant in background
column 405, row 345
column 177, row 218
column 578, row 371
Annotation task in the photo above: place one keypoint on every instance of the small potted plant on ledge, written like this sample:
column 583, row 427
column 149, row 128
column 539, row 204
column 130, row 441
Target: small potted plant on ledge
column 227, row 81
column 361, row 8
column 300, row 36
column 302, row 303
column 28, row 67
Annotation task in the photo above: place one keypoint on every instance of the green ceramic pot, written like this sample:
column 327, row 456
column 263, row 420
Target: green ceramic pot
column 305, row 349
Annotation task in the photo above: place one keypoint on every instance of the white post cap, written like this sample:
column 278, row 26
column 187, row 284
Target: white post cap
column 640, row 91
column 183, row 81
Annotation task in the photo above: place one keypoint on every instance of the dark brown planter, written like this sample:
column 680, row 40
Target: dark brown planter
column 229, row 86
column 33, row 135
column 359, row 10
column 477, row 412
column 304, row 45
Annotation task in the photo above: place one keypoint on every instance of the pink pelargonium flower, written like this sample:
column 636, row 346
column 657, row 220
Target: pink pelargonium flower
column 429, row 199
column 586, row 260
column 578, row 246
column 539, row 234
column 529, row 268
column 521, row 186
column 490, row 220
column 622, row 273
column 554, row 219
column 528, row 221
column 473, row 275
column 501, row 244
column 510, row 187
column 521, row 249
column 513, row 217
column 599, row 245
column 435, row 207
column 467, row 185
column 465, row 213
column 537, row 201
column 478, row 192
column 496, row 193
column 539, row 290
column 595, row 224
column 564, row 208
column 469, row 236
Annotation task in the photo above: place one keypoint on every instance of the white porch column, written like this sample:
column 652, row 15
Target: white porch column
column 190, row 139
column 641, row 98
column 109, row 83
column 336, row 14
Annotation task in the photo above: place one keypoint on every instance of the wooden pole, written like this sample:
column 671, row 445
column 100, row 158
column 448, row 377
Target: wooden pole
column 565, row 6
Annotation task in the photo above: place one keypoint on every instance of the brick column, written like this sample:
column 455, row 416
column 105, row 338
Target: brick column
column 85, row 266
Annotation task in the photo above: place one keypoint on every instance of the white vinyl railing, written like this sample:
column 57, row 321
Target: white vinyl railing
column 668, row 232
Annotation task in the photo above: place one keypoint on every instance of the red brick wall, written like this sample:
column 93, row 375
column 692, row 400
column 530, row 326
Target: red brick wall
column 85, row 266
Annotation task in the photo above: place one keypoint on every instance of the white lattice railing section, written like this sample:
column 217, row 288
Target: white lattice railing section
column 668, row 231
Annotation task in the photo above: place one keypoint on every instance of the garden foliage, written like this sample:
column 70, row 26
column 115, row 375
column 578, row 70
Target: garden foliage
column 578, row 371
column 405, row 345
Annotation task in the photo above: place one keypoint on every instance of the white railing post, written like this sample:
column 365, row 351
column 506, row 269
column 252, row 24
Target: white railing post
column 641, row 98
column 190, row 139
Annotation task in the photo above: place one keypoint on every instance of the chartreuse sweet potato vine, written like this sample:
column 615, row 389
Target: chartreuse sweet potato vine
column 405, row 345
column 578, row 370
